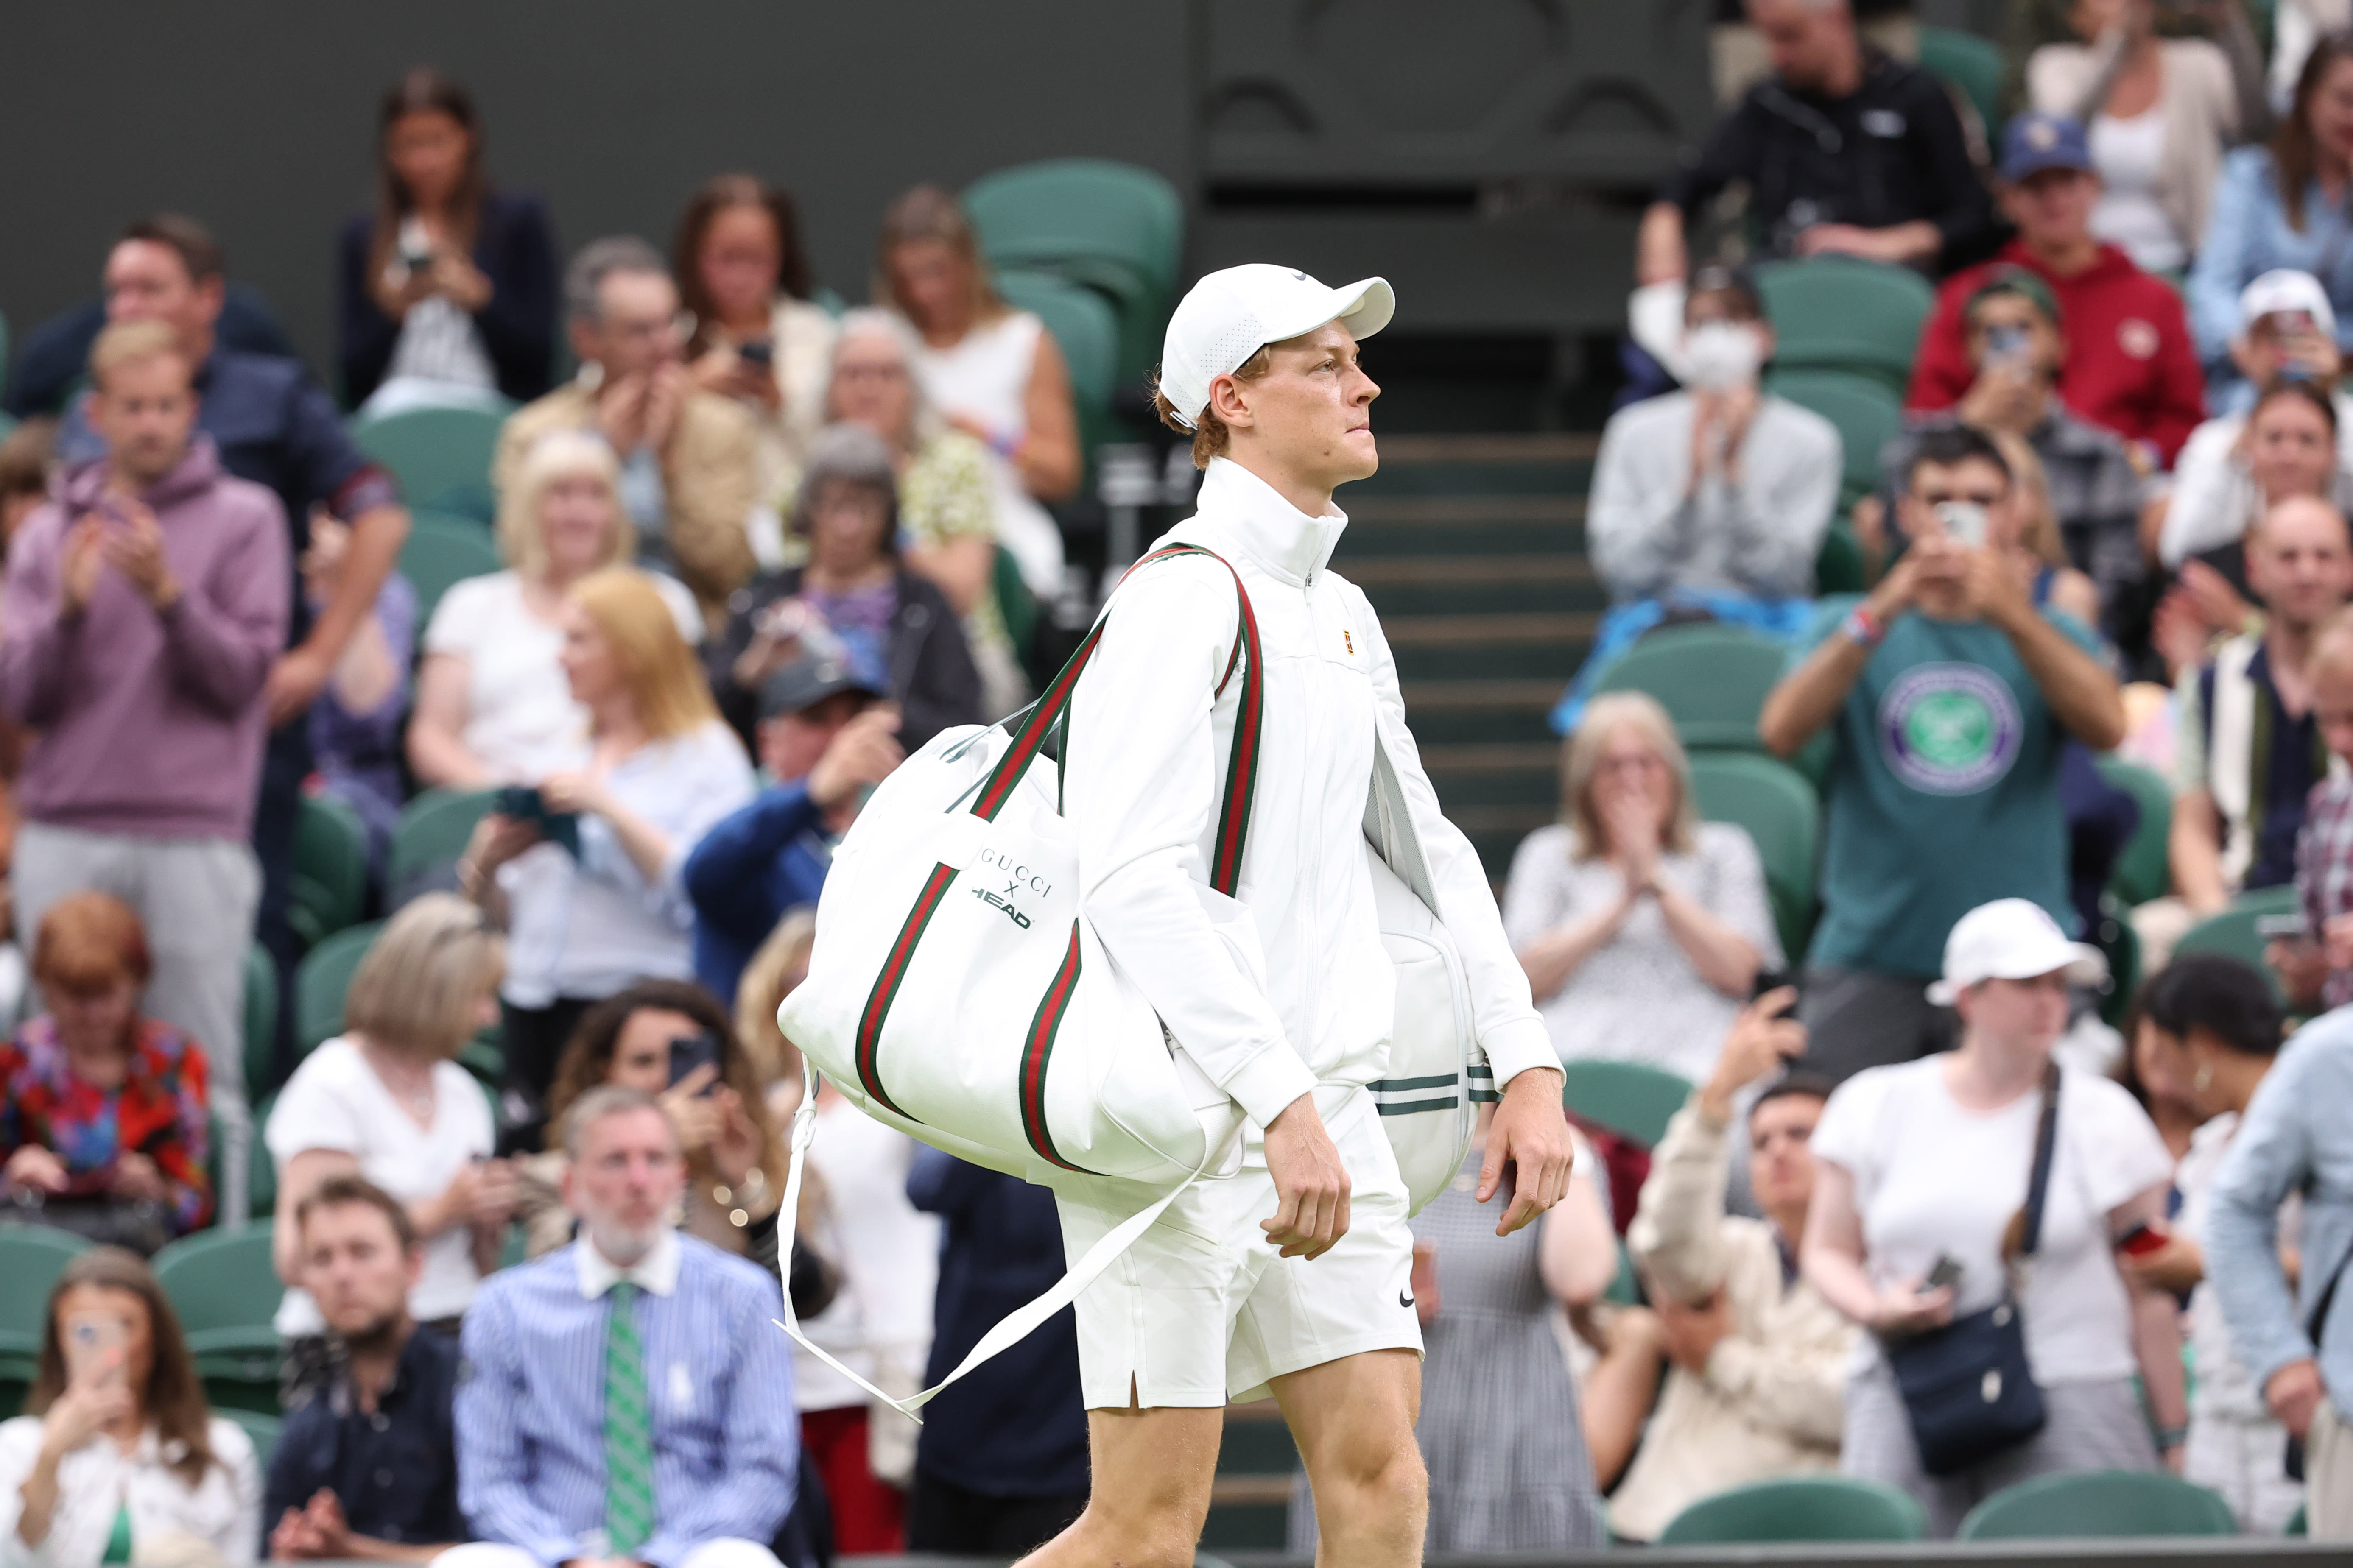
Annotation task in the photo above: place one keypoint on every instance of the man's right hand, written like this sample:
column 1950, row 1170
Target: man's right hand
column 1311, row 1184
column 2294, row 1393
column 864, row 752
column 1763, row 1037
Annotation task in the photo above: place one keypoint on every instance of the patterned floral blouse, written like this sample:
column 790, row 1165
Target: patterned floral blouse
column 160, row 1111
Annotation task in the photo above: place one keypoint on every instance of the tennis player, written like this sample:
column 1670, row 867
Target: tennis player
column 1292, row 1274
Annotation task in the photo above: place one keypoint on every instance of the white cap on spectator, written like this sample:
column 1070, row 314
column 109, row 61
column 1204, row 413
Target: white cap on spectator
column 2012, row 939
column 2284, row 290
column 1230, row 314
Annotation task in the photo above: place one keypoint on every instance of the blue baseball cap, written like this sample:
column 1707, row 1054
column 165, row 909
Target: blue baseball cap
column 2037, row 142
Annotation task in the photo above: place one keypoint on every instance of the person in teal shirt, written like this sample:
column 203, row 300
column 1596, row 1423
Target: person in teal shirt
column 1948, row 694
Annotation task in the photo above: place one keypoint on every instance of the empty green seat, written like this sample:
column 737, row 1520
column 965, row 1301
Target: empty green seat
column 440, row 455
column 432, row 831
column 319, row 983
column 443, row 549
column 2233, row 931
column 31, row 1258
column 1014, row 601
column 1970, row 63
column 1799, row 1508
column 225, row 1292
column 1117, row 228
column 1082, row 325
column 260, row 1426
column 1834, row 312
column 260, row 1021
column 2099, row 1503
column 1711, row 679
column 331, row 869
column 1782, row 814
column 2144, row 871
column 1630, row 1099
column 1866, row 414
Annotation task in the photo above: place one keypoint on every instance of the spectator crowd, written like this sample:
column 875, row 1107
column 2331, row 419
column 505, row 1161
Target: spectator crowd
column 2074, row 605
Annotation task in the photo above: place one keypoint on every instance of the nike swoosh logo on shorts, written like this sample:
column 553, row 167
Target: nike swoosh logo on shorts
column 1405, row 1297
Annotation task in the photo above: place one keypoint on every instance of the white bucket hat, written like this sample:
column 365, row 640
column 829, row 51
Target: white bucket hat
column 2012, row 939
column 1230, row 314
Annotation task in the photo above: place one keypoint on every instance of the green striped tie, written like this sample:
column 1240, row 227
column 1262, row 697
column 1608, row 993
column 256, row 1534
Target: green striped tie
column 629, row 1435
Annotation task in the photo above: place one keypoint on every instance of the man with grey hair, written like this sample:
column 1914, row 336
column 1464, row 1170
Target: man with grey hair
column 626, row 1399
column 1845, row 150
column 688, row 458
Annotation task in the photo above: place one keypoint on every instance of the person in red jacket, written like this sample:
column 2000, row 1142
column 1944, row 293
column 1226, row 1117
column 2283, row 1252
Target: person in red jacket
column 2131, row 365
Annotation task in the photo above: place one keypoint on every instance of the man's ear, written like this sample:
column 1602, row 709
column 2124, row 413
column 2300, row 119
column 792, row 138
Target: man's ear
column 587, row 347
column 1230, row 400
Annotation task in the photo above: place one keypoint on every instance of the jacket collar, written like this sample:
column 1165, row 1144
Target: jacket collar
column 1238, row 513
column 84, row 482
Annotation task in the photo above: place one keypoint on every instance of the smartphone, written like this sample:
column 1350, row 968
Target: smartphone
column 1964, row 520
column 94, row 1348
column 688, row 1052
column 414, row 255
column 2291, row 926
column 1945, row 1271
column 2141, row 1240
column 1771, row 980
column 2009, row 344
column 757, row 351
column 525, row 804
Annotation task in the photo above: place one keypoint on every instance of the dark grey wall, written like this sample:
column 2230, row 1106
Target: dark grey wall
column 256, row 115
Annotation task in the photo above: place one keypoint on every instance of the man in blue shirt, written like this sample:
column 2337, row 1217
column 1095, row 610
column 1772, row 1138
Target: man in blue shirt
column 274, row 427
column 826, row 734
column 1948, row 694
column 628, row 1398
column 367, row 1467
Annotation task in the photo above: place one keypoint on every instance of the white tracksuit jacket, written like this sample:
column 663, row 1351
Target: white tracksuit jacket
column 1144, row 766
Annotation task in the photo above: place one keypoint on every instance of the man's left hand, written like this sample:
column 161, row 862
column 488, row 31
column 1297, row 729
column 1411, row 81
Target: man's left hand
column 295, row 682
column 1530, row 1136
column 137, row 552
column 1690, row 1334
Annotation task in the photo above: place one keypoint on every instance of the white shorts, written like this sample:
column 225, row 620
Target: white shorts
column 1201, row 1310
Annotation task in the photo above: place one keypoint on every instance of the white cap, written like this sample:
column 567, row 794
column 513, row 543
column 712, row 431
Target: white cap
column 1230, row 314
column 2283, row 290
column 2012, row 939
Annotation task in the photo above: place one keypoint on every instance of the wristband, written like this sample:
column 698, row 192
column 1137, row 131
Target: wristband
column 2171, row 1438
column 1005, row 444
column 1862, row 629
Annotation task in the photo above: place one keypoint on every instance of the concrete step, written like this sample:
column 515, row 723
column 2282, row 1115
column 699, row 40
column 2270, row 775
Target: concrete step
column 1249, row 1500
column 1476, row 584
column 1528, row 645
column 1452, row 711
column 1460, row 524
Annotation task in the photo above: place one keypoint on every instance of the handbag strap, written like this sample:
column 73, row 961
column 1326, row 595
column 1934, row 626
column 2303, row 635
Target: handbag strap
column 1031, row 727
column 2046, row 1144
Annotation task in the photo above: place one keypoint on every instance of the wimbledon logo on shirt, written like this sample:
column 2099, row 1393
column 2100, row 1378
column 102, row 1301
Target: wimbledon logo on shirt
column 1949, row 729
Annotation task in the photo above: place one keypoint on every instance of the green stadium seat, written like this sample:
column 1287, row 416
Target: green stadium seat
column 1711, row 679
column 331, row 869
column 1114, row 227
column 2298, row 1523
column 1797, row 1509
column 440, row 455
column 2143, row 871
column 432, row 832
column 2117, row 938
column 318, row 985
column 1082, row 326
column 1015, row 603
column 225, row 1291
column 1971, row 64
column 1632, row 1099
column 1838, row 565
column 2233, row 931
column 1866, row 414
column 261, row 1428
column 260, row 1022
column 2099, row 1503
column 1834, row 312
column 443, row 549
column 31, row 1258
column 1626, row 1285
column 1782, row 814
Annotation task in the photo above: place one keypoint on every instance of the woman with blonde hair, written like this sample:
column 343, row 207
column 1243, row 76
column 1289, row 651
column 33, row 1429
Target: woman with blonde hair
column 1641, row 928
column 386, row 1099
column 117, row 1457
column 584, row 868
column 994, row 372
column 491, row 704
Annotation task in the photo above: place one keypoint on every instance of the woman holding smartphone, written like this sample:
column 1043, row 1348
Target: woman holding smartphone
column 118, row 1458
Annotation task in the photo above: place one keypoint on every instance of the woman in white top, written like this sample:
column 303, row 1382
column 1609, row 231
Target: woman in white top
column 2158, row 112
column 2213, row 1030
column 2287, row 446
column 118, row 1458
column 385, row 1100
column 994, row 372
column 586, row 882
column 1927, row 1162
column 1643, row 928
column 742, row 276
column 492, row 704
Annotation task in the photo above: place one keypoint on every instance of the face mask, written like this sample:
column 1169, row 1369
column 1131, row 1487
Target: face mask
column 1720, row 355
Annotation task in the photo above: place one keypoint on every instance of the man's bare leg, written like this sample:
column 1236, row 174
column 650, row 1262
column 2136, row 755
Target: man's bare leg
column 1353, row 1419
column 1150, row 1497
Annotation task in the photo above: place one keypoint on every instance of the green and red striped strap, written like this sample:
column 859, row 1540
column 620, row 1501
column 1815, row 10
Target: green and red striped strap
column 1029, row 734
